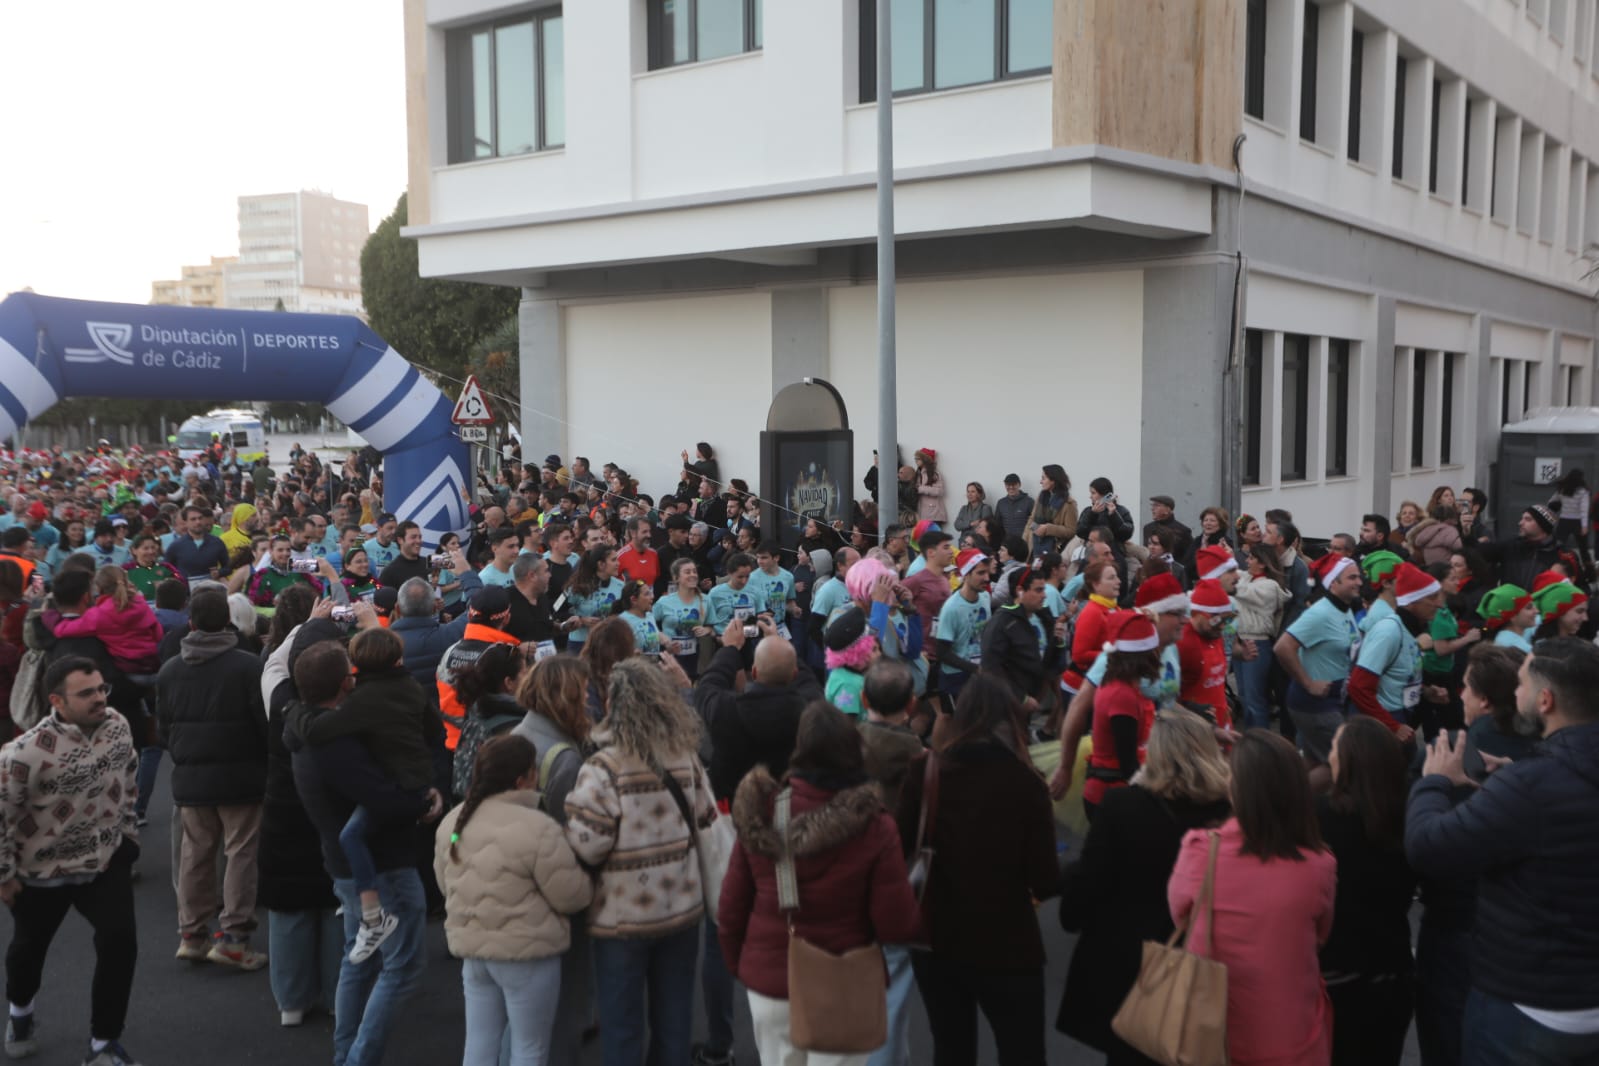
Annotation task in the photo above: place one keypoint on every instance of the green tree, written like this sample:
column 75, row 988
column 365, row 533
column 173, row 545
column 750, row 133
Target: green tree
column 435, row 324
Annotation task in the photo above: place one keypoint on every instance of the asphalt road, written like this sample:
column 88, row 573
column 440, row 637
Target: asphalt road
column 188, row 1013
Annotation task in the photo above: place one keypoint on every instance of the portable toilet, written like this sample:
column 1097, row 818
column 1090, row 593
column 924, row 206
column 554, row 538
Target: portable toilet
column 1538, row 451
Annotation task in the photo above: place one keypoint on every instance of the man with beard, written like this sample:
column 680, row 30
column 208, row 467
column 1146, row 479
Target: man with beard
column 1315, row 653
column 1203, row 653
column 958, row 637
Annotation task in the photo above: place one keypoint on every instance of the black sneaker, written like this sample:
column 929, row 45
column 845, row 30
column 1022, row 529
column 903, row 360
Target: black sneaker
column 704, row 1056
column 113, row 1054
column 21, row 1037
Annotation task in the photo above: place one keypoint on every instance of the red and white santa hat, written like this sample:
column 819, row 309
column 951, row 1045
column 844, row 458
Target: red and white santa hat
column 1330, row 566
column 1547, row 578
column 1161, row 594
column 1131, row 632
column 968, row 559
column 1413, row 583
column 1209, row 597
column 1214, row 561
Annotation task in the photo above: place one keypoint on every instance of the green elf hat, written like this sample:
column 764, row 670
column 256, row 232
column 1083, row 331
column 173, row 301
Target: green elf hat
column 1501, row 604
column 1556, row 598
column 1380, row 567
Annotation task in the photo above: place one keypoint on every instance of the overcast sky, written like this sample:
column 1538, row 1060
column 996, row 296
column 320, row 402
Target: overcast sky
column 131, row 129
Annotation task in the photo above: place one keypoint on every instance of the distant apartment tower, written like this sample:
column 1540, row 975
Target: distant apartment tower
column 199, row 286
column 303, row 248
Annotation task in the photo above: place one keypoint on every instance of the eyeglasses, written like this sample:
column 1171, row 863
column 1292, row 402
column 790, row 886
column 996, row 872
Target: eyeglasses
column 90, row 693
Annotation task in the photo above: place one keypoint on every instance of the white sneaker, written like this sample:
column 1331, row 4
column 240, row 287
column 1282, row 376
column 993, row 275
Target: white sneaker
column 370, row 937
column 292, row 1018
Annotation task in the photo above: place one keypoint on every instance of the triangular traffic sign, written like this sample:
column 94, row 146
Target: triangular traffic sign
column 472, row 409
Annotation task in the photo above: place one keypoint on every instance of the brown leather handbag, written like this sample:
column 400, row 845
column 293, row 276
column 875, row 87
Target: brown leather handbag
column 837, row 1004
column 1176, row 1012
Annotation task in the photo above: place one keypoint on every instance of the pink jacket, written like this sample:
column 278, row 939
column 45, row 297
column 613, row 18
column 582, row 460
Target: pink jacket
column 930, row 500
column 130, row 635
column 1270, row 917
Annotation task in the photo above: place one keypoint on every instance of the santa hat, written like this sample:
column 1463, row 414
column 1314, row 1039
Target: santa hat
column 1214, row 561
column 1380, row 567
column 1163, row 595
column 1131, row 632
column 1209, row 597
column 1556, row 598
column 968, row 560
column 1547, row 578
column 1411, row 583
column 932, row 456
column 1501, row 604
column 1332, row 565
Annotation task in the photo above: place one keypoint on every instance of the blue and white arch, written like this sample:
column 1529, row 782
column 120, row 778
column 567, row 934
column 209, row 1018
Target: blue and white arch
column 53, row 348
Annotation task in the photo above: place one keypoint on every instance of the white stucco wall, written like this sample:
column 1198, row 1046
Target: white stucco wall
column 647, row 379
column 1003, row 374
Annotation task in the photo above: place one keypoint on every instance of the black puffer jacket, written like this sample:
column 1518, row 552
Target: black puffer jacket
column 1528, row 835
column 754, row 727
column 1010, row 651
column 212, row 721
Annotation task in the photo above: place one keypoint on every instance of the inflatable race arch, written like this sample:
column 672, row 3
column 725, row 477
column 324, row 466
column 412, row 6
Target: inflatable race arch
column 53, row 348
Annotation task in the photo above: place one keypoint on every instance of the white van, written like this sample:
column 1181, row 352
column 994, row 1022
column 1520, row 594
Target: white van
column 241, row 429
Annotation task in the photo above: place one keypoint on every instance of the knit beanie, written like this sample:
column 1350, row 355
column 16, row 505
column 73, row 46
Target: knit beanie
column 1543, row 516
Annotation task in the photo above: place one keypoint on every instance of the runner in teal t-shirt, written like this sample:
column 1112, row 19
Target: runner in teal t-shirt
column 592, row 593
column 634, row 607
column 735, row 597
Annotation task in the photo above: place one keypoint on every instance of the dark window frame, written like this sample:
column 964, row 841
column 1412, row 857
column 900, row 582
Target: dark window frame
column 1357, row 69
column 660, row 54
column 1465, row 157
column 459, row 84
column 1254, row 406
column 1418, row 408
column 868, row 54
column 1296, row 452
column 1338, row 380
column 1401, row 76
column 1309, row 48
column 1432, row 155
column 1446, row 412
column 1255, row 60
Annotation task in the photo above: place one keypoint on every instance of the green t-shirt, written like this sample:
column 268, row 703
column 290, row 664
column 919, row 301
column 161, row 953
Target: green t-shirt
column 1444, row 627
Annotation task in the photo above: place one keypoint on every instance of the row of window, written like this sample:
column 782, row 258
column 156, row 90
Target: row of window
column 1296, row 372
column 506, row 78
column 1466, row 133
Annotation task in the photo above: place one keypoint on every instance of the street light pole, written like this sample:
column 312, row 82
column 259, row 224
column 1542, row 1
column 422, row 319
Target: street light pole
column 887, row 383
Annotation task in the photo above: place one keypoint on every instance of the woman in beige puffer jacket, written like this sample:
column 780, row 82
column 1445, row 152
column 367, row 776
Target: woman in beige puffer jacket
column 509, row 880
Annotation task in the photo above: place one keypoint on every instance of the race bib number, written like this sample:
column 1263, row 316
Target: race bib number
column 543, row 650
column 782, row 630
column 685, row 646
column 1354, row 649
column 1411, row 696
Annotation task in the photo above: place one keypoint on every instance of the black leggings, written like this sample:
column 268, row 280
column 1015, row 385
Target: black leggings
column 107, row 904
column 953, row 993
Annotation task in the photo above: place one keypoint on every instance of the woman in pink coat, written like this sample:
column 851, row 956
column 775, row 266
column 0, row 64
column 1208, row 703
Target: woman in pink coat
column 1274, row 907
column 930, row 506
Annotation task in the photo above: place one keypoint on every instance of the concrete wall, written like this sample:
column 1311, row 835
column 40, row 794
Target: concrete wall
column 646, row 379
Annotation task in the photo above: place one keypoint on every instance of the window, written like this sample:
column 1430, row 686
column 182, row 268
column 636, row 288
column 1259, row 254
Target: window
column 942, row 44
column 1418, row 408
column 1465, row 157
column 1505, row 366
column 1357, row 65
column 1337, row 407
column 1572, row 373
column 1399, row 116
column 1432, row 152
column 1255, row 59
column 1296, row 405
column 688, row 31
column 1446, row 413
column 1254, row 386
column 1310, row 45
column 506, row 88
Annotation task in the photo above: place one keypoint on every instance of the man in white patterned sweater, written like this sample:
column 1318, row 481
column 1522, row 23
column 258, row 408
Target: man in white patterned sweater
column 68, row 840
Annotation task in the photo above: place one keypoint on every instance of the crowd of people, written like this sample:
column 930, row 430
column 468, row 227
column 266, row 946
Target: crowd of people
column 632, row 748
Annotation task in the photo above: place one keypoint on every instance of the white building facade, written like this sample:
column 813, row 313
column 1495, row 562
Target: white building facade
column 683, row 189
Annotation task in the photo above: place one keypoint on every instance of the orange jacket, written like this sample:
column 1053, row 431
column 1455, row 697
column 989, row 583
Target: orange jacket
column 476, row 639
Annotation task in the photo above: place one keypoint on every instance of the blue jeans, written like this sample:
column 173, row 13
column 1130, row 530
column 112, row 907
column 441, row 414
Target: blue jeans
column 1497, row 1034
column 896, row 1050
column 372, row 993
column 514, row 997
column 305, row 949
column 645, row 989
column 1253, row 675
column 352, row 841
column 716, row 985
